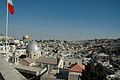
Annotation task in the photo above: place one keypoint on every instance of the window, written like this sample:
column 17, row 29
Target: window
column 64, row 63
column 69, row 63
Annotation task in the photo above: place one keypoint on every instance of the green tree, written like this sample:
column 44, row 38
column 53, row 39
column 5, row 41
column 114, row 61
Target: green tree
column 94, row 71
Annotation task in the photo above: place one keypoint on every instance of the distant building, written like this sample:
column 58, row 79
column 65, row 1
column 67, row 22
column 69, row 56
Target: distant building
column 75, row 71
column 67, row 62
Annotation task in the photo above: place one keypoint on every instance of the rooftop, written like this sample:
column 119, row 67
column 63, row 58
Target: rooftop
column 47, row 60
column 8, row 72
column 77, row 68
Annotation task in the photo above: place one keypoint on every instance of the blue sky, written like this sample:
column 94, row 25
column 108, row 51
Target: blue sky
column 63, row 19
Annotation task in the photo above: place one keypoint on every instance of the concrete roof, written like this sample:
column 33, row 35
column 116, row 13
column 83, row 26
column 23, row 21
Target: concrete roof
column 29, row 60
column 47, row 60
column 28, row 68
column 8, row 72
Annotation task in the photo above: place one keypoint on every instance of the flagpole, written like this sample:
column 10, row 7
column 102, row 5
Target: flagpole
column 6, row 30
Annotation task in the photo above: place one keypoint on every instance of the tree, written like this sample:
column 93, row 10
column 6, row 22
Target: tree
column 94, row 71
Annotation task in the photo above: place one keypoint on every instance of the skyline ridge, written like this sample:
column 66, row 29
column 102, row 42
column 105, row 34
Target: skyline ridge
column 64, row 20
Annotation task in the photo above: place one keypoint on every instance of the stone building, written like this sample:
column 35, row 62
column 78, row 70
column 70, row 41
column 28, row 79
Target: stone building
column 33, row 51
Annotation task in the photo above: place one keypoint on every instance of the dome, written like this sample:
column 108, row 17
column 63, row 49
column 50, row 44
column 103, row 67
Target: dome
column 26, row 36
column 32, row 46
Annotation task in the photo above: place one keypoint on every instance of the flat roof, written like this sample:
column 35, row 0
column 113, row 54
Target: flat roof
column 47, row 60
column 28, row 68
column 9, row 72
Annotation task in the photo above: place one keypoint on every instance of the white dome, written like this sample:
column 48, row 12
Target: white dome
column 32, row 46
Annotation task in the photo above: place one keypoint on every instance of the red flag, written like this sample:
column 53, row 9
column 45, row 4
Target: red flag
column 10, row 6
